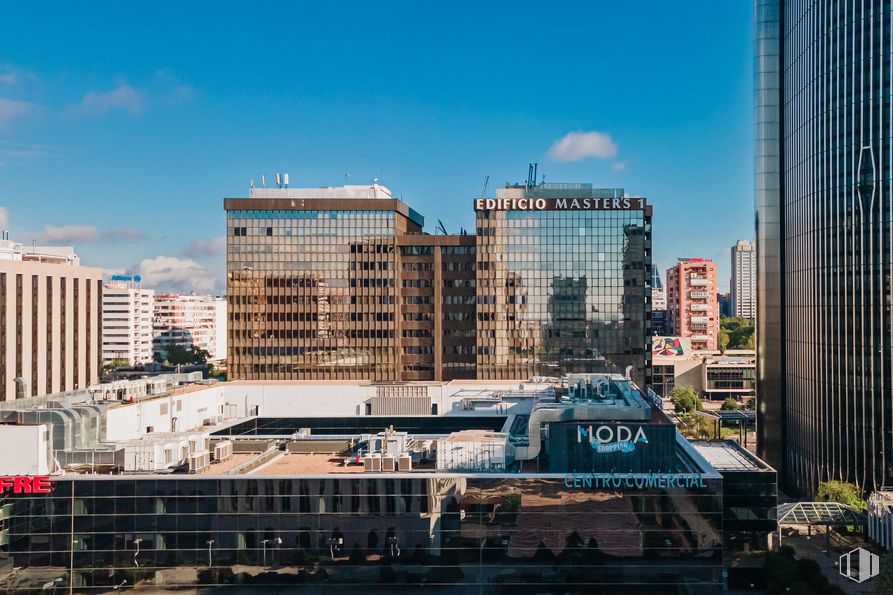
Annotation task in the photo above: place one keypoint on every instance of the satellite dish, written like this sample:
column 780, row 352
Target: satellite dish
column 137, row 278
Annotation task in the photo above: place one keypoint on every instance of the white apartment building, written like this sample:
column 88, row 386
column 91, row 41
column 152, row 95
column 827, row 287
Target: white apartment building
column 220, row 307
column 127, row 321
column 50, row 338
column 744, row 280
column 188, row 319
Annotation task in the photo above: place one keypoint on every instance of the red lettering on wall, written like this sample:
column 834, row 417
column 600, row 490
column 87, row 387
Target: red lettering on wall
column 25, row 484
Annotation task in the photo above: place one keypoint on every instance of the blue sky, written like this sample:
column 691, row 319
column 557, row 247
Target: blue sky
column 123, row 127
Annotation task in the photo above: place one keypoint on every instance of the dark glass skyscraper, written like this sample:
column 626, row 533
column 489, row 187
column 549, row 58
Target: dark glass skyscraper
column 823, row 129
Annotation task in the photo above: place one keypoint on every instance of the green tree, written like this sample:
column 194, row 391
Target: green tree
column 685, row 399
column 114, row 365
column 786, row 574
column 722, row 340
column 180, row 355
column 730, row 404
column 695, row 426
column 215, row 372
column 842, row 492
column 739, row 330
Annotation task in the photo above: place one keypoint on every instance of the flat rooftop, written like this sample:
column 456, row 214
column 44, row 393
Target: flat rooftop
column 725, row 455
column 365, row 424
column 342, row 192
column 308, row 464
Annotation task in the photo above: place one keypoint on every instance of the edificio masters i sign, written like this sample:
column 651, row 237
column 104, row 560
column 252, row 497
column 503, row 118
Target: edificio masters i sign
column 559, row 204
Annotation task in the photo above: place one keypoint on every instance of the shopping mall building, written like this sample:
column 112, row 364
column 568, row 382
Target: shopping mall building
column 342, row 284
column 570, row 484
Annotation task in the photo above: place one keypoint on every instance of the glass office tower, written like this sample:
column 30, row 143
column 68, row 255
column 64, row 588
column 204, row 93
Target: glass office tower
column 341, row 284
column 312, row 283
column 564, row 282
column 823, row 129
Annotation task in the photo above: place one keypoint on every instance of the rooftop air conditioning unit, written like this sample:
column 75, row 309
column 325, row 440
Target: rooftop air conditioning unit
column 223, row 450
column 199, row 461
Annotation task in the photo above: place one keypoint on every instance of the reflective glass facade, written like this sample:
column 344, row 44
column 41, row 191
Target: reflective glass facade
column 564, row 291
column 823, row 163
column 384, row 534
column 312, row 292
column 350, row 288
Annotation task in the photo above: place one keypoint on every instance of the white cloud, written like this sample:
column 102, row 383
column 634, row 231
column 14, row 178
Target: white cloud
column 85, row 234
column 11, row 75
column 123, row 97
column 11, row 109
column 579, row 145
column 68, row 234
column 10, row 151
column 618, row 165
column 180, row 275
column 123, row 233
column 211, row 247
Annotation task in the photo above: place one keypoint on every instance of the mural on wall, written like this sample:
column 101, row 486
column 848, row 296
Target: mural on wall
column 669, row 346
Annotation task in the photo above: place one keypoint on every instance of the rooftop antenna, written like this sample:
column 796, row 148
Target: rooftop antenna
column 262, row 182
column 484, row 189
column 535, row 166
column 529, row 175
column 285, row 180
column 251, row 184
column 278, row 180
column 346, row 175
column 441, row 227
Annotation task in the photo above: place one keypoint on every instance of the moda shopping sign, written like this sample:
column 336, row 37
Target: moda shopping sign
column 606, row 439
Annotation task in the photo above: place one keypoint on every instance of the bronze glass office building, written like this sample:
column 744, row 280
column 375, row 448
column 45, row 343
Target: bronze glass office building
column 341, row 283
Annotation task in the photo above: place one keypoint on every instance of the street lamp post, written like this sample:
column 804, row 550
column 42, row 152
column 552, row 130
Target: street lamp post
column 335, row 543
column 137, row 552
column 276, row 540
column 481, row 563
column 71, row 566
column 394, row 546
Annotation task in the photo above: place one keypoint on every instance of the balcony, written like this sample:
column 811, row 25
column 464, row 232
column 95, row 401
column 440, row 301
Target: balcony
column 698, row 307
column 700, row 338
column 699, row 295
column 699, row 320
column 697, row 282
